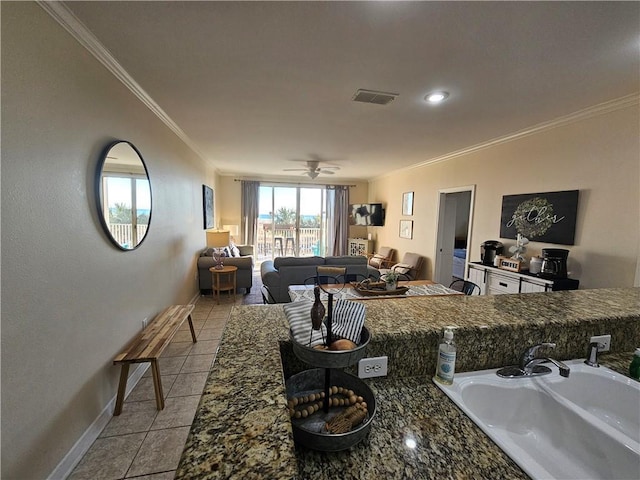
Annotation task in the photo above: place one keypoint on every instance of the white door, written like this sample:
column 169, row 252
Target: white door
column 446, row 237
column 455, row 210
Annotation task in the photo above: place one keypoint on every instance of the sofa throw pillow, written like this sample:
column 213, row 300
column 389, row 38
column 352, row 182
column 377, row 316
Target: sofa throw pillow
column 376, row 261
column 347, row 320
column 227, row 251
column 299, row 316
column 235, row 251
column 402, row 268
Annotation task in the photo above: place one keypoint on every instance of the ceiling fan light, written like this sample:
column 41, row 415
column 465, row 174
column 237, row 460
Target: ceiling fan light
column 436, row 97
column 312, row 174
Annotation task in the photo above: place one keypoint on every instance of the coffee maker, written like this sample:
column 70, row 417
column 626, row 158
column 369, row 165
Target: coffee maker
column 554, row 263
column 489, row 250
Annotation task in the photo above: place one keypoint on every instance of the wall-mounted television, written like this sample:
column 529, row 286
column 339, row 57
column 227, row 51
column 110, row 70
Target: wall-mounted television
column 366, row 214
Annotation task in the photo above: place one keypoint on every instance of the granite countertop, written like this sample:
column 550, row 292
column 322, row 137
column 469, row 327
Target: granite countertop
column 242, row 429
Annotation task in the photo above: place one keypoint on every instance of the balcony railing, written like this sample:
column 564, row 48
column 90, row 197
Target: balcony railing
column 282, row 242
column 277, row 243
column 123, row 233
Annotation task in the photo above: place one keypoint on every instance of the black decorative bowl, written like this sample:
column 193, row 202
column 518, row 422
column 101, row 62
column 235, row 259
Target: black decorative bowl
column 309, row 431
column 331, row 358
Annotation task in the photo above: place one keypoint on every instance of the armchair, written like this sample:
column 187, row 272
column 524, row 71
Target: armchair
column 409, row 268
column 382, row 259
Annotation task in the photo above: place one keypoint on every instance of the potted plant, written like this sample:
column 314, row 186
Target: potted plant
column 391, row 280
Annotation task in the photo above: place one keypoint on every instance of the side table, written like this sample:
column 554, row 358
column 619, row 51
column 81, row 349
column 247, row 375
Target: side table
column 223, row 280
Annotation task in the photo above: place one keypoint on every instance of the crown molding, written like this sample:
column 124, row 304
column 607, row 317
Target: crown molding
column 589, row 112
column 67, row 19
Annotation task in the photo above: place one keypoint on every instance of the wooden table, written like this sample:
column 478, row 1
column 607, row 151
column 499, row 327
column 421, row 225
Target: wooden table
column 223, row 280
column 416, row 288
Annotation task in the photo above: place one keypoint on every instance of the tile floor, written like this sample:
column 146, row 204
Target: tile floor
column 142, row 442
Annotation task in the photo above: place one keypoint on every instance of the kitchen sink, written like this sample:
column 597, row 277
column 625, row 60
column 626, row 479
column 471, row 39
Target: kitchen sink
column 608, row 395
column 586, row 426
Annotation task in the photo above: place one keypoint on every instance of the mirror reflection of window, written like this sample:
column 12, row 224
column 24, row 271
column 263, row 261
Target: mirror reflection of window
column 125, row 196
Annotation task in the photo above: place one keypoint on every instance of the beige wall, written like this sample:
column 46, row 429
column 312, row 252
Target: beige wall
column 600, row 156
column 70, row 300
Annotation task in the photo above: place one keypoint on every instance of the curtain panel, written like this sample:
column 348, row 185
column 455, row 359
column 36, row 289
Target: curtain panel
column 337, row 219
column 249, row 210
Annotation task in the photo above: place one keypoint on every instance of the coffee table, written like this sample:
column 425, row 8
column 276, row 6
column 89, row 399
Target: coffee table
column 223, row 280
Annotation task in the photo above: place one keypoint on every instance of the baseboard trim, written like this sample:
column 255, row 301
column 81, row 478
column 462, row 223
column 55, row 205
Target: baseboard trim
column 195, row 298
column 73, row 456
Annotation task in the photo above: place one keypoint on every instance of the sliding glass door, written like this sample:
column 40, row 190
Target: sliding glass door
column 291, row 221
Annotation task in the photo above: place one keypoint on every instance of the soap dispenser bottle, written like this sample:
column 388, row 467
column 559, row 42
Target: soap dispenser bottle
column 446, row 358
column 634, row 368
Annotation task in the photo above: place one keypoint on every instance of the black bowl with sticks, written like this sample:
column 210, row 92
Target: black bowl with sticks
column 314, row 429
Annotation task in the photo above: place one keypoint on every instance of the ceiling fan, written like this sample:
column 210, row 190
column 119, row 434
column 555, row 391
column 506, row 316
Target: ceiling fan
column 313, row 169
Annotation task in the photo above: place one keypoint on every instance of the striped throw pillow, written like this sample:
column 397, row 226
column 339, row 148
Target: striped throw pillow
column 299, row 316
column 348, row 320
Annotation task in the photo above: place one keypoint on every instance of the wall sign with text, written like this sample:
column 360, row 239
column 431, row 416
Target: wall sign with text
column 541, row 217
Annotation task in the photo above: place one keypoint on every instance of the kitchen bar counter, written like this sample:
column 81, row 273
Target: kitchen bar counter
column 242, row 430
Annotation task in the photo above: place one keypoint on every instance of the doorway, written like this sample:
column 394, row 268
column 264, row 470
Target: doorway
column 455, row 220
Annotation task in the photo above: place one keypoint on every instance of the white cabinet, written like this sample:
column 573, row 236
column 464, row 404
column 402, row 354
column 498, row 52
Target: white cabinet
column 477, row 276
column 530, row 286
column 360, row 246
column 496, row 281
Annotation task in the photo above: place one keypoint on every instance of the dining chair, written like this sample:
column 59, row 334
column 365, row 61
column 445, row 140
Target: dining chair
column 267, row 297
column 465, row 286
column 327, row 275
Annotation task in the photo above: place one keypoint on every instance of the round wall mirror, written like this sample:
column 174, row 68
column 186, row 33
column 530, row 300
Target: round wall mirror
column 123, row 195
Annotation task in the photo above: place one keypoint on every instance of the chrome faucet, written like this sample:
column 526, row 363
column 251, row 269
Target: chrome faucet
column 529, row 361
column 592, row 354
column 530, row 364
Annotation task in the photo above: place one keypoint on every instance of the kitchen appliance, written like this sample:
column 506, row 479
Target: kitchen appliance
column 554, row 263
column 489, row 250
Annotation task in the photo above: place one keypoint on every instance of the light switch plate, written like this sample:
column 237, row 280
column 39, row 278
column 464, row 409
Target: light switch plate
column 372, row 367
column 605, row 340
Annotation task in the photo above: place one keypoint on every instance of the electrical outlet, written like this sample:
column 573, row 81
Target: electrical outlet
column 372, row 367
column 144, row 323
column 605, row 340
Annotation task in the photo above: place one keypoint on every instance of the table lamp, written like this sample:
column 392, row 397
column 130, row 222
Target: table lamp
column 217, row 240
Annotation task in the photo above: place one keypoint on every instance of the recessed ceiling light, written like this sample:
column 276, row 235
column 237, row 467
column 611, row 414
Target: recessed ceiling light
column 436, row 97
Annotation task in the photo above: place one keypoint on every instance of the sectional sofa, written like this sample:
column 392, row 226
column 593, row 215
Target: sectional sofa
column 278, row 274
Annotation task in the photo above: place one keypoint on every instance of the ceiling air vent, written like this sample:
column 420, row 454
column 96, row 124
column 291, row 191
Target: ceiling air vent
column 371, row 96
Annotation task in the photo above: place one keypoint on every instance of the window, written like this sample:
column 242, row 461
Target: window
column 127, row 206
column 291, row 221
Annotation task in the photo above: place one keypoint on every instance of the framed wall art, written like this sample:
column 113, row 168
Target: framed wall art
column 548, row 217
column 407, row 203
column 207, row 207
column 406, row 228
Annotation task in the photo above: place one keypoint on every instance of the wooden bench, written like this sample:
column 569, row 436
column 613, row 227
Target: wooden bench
column 149, row 345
